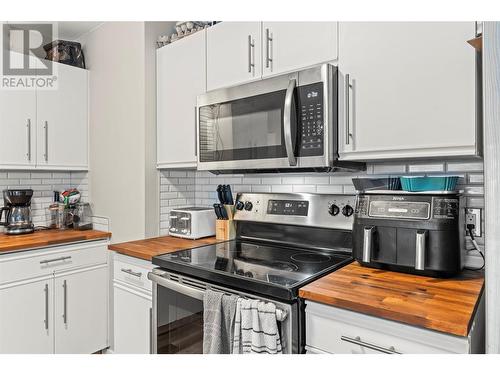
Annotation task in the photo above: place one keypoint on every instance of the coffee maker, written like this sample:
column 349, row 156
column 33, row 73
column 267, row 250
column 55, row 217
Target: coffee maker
column 17, row 211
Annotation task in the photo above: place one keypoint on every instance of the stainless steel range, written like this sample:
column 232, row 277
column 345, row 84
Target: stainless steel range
column 284, row 241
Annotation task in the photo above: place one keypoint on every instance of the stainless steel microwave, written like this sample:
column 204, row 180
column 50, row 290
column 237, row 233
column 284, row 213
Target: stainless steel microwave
column 286, row 123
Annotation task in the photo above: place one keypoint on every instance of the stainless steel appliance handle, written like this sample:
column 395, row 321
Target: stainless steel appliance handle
column 195, row 131
column 46, row 321
column 420, row 250
column 46, row 261
column 367, row 243
column 287, row 123
column 46, row 156
column 251, row 62
column 28, row 126
column 348, row 133
column 357, row 341
column 130, row 272
column 65, row 303
column 269, row 41
column 151, row 338
column 186, row 290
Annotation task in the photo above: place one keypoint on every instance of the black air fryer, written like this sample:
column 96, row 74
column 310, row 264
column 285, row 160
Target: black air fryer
column 414, row 233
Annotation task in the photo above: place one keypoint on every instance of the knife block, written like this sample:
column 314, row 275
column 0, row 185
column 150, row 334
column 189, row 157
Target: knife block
column 226, row 229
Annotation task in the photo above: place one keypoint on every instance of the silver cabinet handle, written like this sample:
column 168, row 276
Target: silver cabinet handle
column 357, row 341
column 269, row 43
column 251, row 60
column 348, row 133
column 287, row 123
column 46, row 321
column 28, row 127
column 46, row 155
column 367, row 243
column 195, row 131
column 151, row 330
column 65, row 299
column 46, row 261
column 130, row 272
column 420, row 250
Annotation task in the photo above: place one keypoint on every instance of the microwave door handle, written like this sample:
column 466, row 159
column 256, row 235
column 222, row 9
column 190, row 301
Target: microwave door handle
column 287, row 123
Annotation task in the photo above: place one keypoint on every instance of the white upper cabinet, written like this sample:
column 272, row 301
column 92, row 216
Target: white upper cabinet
column 62, row 116
column 411, row 90
column 181, row 77
column 46, row 128
column 17, row 128
column 289, row 46
column 233, row 54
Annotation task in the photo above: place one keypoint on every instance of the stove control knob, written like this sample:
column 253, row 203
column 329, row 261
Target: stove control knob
column 239, row 205
column 248, row 206
column 334, row 210
column 347, row 210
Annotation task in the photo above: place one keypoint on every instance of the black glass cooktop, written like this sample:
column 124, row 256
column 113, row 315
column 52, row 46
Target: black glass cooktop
column 253, row 266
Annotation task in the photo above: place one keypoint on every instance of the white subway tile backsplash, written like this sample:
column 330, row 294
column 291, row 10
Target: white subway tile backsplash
column 388, row 168
column 43, row 185
column 304, row 188
column 419, row 168
column 198, row 188
column 464, row 166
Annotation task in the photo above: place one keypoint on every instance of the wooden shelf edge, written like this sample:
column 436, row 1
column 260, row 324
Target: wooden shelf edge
column 477, row 43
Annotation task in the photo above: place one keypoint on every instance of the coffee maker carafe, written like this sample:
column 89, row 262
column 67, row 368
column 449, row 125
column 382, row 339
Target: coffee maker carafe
column 17, row 211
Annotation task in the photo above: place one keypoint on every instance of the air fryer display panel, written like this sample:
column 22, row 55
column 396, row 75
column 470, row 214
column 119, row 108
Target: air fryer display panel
column 400, row 210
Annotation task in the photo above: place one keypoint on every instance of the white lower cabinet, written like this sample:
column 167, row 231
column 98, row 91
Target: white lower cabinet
column 81, row 310
column 55, row 300
column 132, row 306
column 333, row 330
column 26, row 317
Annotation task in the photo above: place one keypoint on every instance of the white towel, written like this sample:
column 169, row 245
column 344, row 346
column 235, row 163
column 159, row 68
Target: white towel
column 255, row 328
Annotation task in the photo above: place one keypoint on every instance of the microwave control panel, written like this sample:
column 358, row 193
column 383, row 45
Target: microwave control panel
column 311, row 120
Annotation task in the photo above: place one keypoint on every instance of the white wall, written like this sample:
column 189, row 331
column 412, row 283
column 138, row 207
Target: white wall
column 122, row 123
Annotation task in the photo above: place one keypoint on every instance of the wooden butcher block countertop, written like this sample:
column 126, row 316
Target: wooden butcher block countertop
column 47, row 238
column 147, row 249
column 445, row 305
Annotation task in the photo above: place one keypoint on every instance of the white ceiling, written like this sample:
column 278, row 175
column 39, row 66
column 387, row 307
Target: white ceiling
column 67, row 30
column 71, row 30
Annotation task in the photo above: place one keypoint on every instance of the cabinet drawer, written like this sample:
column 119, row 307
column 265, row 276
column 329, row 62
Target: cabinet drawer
column 130, row 272
column 36, row 263
column 340, row 331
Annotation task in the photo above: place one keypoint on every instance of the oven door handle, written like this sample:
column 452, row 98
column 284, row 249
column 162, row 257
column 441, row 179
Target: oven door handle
column 176, row 287
column 287, row 123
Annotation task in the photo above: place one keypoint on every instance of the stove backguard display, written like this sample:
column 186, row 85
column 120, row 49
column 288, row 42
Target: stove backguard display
column 287, row 207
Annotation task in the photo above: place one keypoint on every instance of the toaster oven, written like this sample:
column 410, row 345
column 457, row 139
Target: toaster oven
column 192, row 222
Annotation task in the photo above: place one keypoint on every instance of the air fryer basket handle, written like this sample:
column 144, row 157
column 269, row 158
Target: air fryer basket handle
column 367, row 243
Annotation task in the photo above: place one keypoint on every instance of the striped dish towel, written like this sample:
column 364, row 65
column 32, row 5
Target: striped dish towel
column 255, row 328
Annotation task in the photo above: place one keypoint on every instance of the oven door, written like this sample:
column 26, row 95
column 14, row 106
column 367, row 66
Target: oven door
column 177, row 321
column 285, row 122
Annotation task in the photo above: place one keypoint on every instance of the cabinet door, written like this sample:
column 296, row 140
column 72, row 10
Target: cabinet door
column 81, row 311
column 132, row 321
column 233, row 54
column 17, row 125
column 412, row 90
column 26, row 317
column 62, row 116
column 289, row 46
column 181, row 77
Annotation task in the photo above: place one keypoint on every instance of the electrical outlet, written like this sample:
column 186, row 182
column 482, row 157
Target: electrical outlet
column 473, row 216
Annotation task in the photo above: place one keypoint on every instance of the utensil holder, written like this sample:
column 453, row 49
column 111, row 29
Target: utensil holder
column 225, row 230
